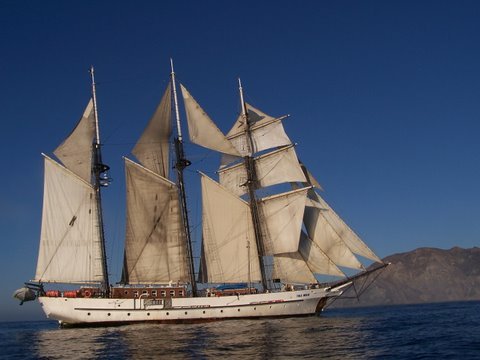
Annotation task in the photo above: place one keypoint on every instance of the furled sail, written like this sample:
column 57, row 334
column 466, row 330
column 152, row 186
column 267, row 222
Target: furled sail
column 273, row 168
column 75, row 151
column 152, row 149
column 230, row 250
column 155, row 246
column 282, row 221
column 266, row 132
column 344, row 232
column 70, row 250
column 202, row 129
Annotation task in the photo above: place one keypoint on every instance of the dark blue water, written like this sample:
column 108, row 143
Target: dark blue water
column 430, row 331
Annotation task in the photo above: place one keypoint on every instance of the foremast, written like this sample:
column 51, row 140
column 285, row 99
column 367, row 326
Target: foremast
column 99, row 179
column 180, row 164
column 251, row 186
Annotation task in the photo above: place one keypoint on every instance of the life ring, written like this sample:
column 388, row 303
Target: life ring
column 87, row 294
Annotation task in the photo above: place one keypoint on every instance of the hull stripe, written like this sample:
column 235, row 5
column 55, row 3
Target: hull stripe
column 200, row 307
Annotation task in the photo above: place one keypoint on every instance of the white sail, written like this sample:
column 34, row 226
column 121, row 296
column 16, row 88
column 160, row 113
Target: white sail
column 229, row 245
column 282, row 221
column 75, row 151
column 202, row 130
column 317, row 261
column 234, row 178
column 263, row 137
column 273, row 168
column 299, row 266
column 155, row 246
column 327, row 239
column 348, row 236
column 256, row 117
column 70, row 250
column 266, row 132
column 152, row 149
column 292, row 268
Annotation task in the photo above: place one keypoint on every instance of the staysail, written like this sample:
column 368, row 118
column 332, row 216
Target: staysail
column 282, row 215
column 300, row 266
column 327, row 239
column 325, row 215
column 202, row 130
column 292, row 268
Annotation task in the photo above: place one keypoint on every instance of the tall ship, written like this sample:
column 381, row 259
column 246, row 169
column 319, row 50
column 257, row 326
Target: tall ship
column 267, row 234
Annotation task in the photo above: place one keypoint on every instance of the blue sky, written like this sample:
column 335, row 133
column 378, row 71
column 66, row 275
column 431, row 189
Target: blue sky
column 384, row 98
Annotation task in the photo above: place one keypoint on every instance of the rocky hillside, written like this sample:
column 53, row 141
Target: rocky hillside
column 424, row 275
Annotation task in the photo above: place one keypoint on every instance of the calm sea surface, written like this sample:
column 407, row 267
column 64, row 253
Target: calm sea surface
column 431, row 331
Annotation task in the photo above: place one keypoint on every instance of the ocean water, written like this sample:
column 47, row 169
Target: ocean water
column 427, row 331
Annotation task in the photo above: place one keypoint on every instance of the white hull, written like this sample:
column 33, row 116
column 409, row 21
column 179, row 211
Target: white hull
column 77, row 311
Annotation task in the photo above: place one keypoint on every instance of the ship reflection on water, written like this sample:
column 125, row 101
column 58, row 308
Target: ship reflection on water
column 312, row 336
column 434, row 331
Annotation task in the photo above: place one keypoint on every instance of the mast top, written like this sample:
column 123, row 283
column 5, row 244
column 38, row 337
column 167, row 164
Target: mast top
column 175, row 101
column 242, row 101
column 94, row 97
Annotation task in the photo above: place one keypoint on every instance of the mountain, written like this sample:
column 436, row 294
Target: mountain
column 423, row 275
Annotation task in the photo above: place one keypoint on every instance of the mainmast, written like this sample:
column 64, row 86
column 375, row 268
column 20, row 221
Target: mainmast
column 180, row 164
column 251, row 186
column 100, row 179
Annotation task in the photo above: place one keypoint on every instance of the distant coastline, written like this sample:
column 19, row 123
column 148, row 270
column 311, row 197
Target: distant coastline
column 423, row 275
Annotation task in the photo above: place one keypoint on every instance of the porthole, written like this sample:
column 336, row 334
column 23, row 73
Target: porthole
column 204, row 311
column 186, row 313
column 108, row 314
column 128, row 314
column 221, row 310
column 88, row 314
column 168, row 313
column 254, row 308
column 238, row 309
column 148, row 314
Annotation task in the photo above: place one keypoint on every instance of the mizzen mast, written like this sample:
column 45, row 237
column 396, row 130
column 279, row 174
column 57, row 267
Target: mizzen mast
column 99, row 178
column 180, row 164
column 251, row 186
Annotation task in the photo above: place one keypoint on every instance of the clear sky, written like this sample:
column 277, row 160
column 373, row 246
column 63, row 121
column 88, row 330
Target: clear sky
column 384, row 98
